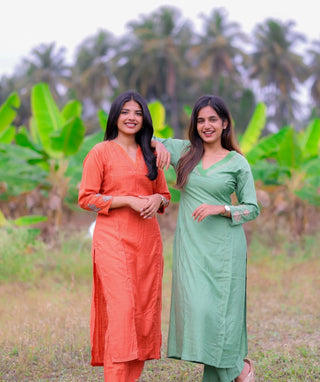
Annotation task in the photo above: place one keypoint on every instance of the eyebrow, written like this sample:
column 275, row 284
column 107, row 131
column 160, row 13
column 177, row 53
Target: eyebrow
column 124, row 108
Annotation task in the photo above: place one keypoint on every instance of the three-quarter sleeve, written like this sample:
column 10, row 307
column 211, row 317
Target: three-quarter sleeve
column 176, row 147
column 248, row 208
column 161, row 187
column 89, row 197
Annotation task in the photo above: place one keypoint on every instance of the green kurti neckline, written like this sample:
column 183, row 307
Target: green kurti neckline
column 217, row 164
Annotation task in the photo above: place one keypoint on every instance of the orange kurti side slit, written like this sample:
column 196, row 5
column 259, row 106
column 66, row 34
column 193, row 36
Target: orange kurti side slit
column 127, row 257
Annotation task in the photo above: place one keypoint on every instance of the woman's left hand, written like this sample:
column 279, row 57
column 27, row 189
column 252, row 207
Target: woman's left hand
column 151, row 206
column 205, row 210
column 163, row 156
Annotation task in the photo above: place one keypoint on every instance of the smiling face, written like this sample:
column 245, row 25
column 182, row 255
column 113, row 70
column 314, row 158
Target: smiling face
column 210, row 126
column 130, row 119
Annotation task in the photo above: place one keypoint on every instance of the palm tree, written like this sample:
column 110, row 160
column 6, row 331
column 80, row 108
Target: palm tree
column 314, row 70
column 278, row 68
column 219, row 60
column 153, row 60
column 47, row 65
column 93, row 75
column 218, row 53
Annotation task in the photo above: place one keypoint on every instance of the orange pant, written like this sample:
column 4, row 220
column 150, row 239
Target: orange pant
column 121, row 371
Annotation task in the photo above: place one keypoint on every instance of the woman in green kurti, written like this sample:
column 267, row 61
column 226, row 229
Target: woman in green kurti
column 208, row 307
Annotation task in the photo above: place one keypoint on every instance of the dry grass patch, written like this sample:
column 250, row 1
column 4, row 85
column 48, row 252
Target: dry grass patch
column 44, row 323
column 283, row 318
column 44, row 333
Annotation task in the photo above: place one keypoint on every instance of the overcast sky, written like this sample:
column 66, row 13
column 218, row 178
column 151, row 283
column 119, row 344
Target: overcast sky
column 25, row 24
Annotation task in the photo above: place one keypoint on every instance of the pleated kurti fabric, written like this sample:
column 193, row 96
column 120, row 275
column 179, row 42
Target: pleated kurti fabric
column 127, row 257
column 208, row 309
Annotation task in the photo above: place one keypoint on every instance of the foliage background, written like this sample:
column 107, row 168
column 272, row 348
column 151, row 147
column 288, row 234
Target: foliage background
column 166, row 59
column 51, row 115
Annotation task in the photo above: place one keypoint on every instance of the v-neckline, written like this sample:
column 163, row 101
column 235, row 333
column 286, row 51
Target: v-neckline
column 216, row 164
column 135, row 162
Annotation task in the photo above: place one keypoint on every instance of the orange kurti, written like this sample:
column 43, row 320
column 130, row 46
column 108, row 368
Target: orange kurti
column 127, row 256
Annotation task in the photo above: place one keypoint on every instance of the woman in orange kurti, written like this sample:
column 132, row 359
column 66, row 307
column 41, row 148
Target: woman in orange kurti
column 120, row 179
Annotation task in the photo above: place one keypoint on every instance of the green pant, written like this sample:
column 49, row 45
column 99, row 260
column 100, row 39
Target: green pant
column 216, row 374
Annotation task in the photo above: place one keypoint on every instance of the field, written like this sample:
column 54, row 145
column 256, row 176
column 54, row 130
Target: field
column 45, row 295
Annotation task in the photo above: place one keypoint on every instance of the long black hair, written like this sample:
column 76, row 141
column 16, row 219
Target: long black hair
column 143, row 136
column 195, row 151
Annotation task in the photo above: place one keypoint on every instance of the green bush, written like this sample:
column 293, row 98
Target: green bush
column 26, row 258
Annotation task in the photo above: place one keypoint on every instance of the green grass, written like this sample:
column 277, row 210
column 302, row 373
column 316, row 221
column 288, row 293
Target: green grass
column 45, row 304
column 25, row 258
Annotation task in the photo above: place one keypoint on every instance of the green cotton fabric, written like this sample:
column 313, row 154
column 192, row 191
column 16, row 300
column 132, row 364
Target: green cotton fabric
column 208, row 306
column 215, row 374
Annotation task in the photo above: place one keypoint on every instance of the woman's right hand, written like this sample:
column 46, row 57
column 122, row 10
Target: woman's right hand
column 163, row 156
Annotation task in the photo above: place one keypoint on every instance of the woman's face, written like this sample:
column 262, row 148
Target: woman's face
column 130, row 118
column 210, row 125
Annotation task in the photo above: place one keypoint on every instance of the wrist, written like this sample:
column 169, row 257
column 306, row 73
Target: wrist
column 162, row 201
column 226, row 211
column 130, row 201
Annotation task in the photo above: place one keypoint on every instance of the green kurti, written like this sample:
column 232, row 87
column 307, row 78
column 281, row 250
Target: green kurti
column 208, row 308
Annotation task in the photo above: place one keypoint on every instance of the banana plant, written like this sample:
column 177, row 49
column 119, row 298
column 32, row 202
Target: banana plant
column 309, row 142
column 18, row 173
column 289, row 161
column 281, row 155
column 58, row 133
column 254, row 129
column 8, row 112
column 55, row 136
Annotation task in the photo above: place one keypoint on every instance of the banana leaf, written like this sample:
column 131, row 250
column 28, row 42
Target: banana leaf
column 268, row 146
column 103, row 118
column 8, row 110
column 188, row 110
column 269, row 172
column 312, row 168
column 16, row 171
column 46, row 117
column 310, row 194
column 171, row 178
column 24, row 139
column 72, row 109
column 158, row 115
column 74, row 170
column 254, row 129
column 7, row 135
column 290, row 153
column 29, row 220
column 310, row 139
column 69, row 139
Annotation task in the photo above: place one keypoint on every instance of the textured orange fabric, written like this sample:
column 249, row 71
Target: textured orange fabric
column 127, row 257
column 121, row 371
